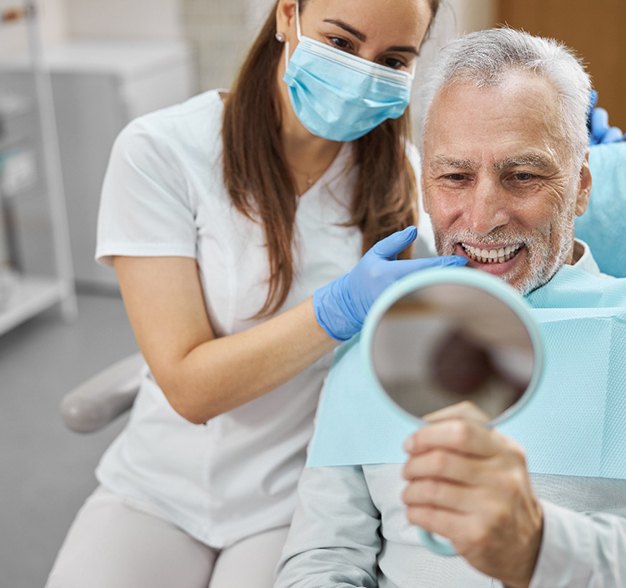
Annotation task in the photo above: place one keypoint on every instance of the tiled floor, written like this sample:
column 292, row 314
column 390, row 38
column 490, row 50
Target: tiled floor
column 46, row 471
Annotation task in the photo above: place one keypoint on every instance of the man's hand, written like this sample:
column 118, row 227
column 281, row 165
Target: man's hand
column 471, row 485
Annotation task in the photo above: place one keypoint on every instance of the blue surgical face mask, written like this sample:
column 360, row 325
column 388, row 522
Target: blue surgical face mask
column 339, row 96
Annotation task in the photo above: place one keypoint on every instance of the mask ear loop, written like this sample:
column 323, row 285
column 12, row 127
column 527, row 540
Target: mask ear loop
column 298, row 29
column 286, row 55
column 298, row 34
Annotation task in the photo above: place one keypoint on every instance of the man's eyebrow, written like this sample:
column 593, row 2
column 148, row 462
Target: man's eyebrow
column 346, row 27
column 452, row 162
column 526, row 159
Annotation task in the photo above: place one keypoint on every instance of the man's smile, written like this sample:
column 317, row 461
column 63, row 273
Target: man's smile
column 494, row 259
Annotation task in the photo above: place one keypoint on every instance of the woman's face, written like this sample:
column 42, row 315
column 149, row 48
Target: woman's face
column 388, row 32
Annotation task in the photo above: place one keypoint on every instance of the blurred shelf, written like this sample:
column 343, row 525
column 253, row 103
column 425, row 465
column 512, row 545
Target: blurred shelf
column 30, row 168
column 29, row 296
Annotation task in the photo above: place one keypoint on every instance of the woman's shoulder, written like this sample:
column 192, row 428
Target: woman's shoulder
column 191, row 126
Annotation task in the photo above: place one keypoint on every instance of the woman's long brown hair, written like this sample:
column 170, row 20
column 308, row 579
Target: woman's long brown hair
column 263, row 188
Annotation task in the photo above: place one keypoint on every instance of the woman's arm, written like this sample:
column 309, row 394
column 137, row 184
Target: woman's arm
column 203, row 376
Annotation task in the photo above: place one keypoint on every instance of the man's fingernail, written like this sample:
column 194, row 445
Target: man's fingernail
column 409, row 444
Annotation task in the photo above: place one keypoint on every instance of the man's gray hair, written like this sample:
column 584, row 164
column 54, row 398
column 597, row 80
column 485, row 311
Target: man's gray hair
column 483, row 58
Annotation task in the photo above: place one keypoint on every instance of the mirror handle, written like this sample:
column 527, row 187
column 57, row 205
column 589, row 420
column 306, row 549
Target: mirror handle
column 436, row 543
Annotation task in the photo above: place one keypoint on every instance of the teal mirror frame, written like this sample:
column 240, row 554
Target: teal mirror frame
column 459, row 276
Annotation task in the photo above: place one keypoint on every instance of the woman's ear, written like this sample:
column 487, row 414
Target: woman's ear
column 584, row 190
column 286, row 19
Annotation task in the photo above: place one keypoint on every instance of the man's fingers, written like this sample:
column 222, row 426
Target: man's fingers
column 446, row 523
column 462, row 410
column 443, row 465
column 460, row 435
column 440, row 494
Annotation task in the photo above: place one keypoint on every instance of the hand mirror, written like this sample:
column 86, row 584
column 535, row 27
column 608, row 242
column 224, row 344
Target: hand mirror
column 440, row 337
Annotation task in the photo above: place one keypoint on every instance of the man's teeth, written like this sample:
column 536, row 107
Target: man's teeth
column 491, row 255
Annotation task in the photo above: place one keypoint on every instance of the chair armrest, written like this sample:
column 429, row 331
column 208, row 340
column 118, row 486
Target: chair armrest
column 101, row 399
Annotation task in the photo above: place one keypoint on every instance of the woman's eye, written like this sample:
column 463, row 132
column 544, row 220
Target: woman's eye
column 394, row 63
column 340, row 43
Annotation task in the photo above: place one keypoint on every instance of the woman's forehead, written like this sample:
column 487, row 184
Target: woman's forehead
column 391, row 19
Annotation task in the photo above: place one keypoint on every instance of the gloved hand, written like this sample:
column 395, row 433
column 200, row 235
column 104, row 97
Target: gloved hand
column 341, row 305
column 598, row 123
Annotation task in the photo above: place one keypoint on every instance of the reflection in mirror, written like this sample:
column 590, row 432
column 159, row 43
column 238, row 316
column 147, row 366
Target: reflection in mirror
column 447, row 343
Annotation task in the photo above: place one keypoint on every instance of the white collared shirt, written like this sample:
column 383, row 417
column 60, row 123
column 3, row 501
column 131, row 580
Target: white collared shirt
column 164, row 194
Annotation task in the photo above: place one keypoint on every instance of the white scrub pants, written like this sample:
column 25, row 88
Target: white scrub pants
column 114, row 545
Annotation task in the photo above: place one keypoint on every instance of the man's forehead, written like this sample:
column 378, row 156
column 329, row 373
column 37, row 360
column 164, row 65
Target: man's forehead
column 515, row 88
column 510, row 124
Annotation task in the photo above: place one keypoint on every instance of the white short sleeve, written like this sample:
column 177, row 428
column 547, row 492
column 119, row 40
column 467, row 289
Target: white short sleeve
column 144, row 208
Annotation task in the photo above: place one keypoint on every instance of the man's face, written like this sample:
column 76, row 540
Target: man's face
column 499, row 180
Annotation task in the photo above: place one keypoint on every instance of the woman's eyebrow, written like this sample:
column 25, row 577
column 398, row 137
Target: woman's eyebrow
column 363, row 37
column 404, row 49
column 346, row 27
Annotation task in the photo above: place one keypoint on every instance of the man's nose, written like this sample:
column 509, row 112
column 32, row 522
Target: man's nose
column 488, row 207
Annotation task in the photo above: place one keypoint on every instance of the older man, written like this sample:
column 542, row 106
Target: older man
column 505, row 172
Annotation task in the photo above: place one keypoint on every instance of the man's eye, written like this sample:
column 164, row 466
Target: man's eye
column 523, row 177
column 455, row 177
column 340, row 43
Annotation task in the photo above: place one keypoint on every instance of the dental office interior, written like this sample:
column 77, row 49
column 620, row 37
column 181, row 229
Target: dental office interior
column 73, row 73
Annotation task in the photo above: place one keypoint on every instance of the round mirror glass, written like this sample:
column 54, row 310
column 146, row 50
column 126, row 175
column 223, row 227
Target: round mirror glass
column 450, row 342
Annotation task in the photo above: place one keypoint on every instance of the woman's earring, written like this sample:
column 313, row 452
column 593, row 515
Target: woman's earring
column 280, row 37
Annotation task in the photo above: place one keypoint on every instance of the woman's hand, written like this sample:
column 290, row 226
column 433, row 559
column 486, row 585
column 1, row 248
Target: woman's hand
column 341, row 305
column 598, row 123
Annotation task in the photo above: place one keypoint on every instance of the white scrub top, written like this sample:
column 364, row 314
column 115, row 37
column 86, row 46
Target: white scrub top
column 164, row 195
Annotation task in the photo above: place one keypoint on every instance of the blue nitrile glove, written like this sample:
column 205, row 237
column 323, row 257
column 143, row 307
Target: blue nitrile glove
column 341, row 305
column 598, row 124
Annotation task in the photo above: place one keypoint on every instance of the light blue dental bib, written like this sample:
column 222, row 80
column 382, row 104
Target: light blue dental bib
column 574, row 424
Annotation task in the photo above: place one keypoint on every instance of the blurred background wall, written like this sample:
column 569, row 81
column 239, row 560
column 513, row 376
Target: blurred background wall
column 221, row 30
column 596, row 30
column 201, row 43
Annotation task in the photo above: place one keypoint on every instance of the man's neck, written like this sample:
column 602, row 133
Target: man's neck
column 577, row 252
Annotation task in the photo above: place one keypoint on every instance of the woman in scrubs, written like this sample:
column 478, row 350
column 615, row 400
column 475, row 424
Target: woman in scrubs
column 236, row 223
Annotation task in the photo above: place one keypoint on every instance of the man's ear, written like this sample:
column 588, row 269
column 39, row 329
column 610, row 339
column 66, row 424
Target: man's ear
column 584, row 190
column 286, row 19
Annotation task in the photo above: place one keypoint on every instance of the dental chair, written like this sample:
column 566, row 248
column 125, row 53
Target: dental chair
column 103, row 398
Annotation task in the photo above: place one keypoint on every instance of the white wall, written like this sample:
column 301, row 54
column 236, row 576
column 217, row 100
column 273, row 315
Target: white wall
column 217, row 29
column 137, row 19
column 256, row 12
column 52, row 20
column 473, row 15
column 113, row 19
column 13, row 36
